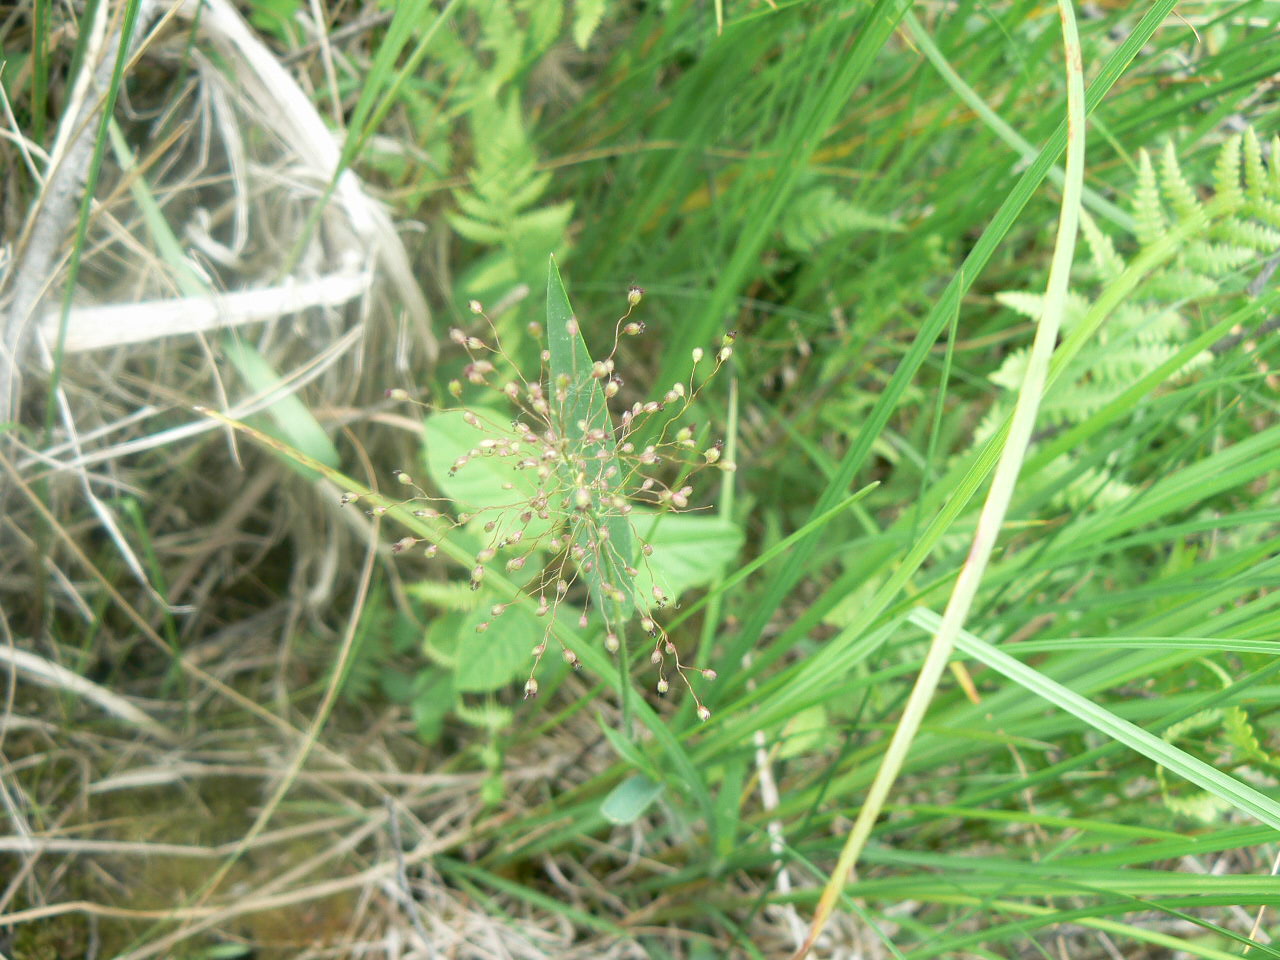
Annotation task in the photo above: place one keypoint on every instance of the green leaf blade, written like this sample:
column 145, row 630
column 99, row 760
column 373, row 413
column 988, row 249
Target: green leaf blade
column 578, row 404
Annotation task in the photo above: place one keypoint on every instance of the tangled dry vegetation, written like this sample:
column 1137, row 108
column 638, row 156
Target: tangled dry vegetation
column 172, row 598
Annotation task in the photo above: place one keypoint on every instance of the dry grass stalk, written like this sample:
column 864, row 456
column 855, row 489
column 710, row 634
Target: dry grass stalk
column 115, row 325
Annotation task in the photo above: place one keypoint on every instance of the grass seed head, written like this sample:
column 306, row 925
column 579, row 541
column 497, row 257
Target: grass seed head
column 589, row 475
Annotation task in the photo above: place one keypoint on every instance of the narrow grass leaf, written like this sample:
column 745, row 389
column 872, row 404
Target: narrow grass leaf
column 296, row 424
column 780, row 584
column 128, row 22
column 1219, row 784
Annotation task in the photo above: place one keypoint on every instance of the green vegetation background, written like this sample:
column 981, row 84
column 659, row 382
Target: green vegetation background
column 866, row 194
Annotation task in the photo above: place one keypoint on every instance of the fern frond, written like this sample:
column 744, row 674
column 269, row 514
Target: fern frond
column 1108, row 263
column 1226, row 176
column 1182, row 199
column 1073, row 403
column 1247, row 233
column 1265, row 209
column 474, row 230
column 1216, row 259
column 1122, row 365
column 1273, row 172
column 1011, row 371
column 503, row 39
column 1203, row 806
column 1031, row 306
column 1147, row 325
column 543, row 20
column 489, row 715
column 1215, row 237
column 587, row 15
column 511, row 35
column 503, row 155
column 473, row 205
column 499, row 207
column 1172, row 285
column 1024, row 302
column 528, row 193
column 1242, row 736
column 541, row 228
column 1087, row 488
column 821, row 214
column 1147, row 212
column 1255, row 174
column 449, row 595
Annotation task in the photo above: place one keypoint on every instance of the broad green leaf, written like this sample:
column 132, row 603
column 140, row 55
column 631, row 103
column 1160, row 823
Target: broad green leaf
column 578, row 404
column 488, row 660
column 501, row 654
column 630, row 799
column 488, row 485
column 689, row 551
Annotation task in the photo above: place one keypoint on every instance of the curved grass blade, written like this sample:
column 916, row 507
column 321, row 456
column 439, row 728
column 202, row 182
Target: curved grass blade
column 1001, row 491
